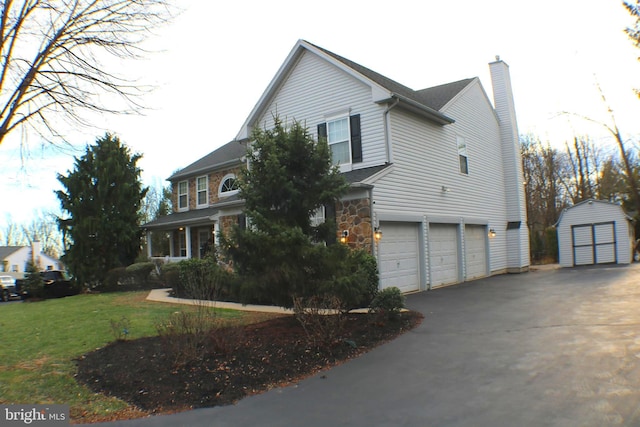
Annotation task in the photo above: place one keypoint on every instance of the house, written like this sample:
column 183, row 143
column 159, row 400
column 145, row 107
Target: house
column 595, row 232
column 14, row 259
column 435, row 173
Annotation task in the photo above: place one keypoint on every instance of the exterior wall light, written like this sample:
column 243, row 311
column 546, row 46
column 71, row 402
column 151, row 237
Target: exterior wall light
column 445, row 189
column 492, row 232
column 343, row 236
column 377, row 234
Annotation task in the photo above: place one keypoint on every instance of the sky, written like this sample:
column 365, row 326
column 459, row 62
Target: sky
column 213, row 62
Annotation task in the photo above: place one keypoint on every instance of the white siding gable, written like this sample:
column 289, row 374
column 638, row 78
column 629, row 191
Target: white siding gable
column 314, row 90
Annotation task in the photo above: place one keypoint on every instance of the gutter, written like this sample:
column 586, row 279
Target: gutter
column 207, row 168
column 421, row 109
column 387, row 128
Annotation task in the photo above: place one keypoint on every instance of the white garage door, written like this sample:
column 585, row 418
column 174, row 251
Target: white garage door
column 475, row 251
column 594, row 243
column 443, row 254
column 399, row 255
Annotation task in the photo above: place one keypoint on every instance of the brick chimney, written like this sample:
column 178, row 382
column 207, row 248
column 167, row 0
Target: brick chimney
column 516, row 227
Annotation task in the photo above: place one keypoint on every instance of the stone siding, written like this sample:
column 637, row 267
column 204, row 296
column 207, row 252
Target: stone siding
column 355, row 216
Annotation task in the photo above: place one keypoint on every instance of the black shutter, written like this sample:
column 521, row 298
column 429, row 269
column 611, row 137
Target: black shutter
column 322, row 131
column 356, row 139
column 330, row 217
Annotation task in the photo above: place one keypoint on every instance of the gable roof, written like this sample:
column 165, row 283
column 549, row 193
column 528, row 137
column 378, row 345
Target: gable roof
column 426, row 102
column 223, row 157
column 589, row 202
column 6, row 251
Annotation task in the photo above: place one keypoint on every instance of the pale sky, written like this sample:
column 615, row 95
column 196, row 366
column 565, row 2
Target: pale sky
column 214, row 62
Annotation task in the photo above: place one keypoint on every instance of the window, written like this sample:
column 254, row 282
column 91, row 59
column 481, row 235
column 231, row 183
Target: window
column 343, row 136
column 228, row 186
column 462, row 155
column 318, row 217
column 202, row 190
column 183, row 195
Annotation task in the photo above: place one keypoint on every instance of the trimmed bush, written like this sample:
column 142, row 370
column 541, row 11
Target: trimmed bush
column 388, row 303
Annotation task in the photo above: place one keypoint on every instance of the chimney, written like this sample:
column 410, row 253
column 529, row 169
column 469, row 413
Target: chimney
column 36, row 250
column 517, row 231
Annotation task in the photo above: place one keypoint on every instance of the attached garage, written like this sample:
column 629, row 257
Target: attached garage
column 594, row 232
column 444, row 264
column 399, row 256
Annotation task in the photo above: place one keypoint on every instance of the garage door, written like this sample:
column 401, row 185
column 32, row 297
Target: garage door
column 475, row 254
column 399, row 255
column 443, row 254
column 594, row 243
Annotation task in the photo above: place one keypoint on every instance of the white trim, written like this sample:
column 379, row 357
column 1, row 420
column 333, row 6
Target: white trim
column 186, row 207
column 222, row 181
column 206, row 192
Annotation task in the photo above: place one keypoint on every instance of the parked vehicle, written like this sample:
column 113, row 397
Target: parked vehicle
column 7, row 288
column 55, row 284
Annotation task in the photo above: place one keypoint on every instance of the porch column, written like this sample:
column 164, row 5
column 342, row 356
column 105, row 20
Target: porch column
column 171, row 242
column 187, row 231
column 149, row 249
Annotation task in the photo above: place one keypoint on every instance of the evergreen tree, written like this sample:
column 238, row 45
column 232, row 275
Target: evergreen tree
column 102, row 196
column 289, row 177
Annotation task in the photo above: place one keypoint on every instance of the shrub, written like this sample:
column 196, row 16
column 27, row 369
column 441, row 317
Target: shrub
column 139, row 273
column 321, row 318
column 388, row 302
column 114, row 279
column 32, row 282
column 351, row 276
column 170, row 276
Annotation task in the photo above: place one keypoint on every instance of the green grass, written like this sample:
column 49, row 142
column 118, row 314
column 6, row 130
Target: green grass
column 40, row 340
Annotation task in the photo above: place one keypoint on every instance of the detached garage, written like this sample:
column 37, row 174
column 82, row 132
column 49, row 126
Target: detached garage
column 594, row 232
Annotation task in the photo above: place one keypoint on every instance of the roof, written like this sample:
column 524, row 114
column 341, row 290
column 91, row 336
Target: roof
column 191, row 217
column 589, row 202
column 225, row 156
column 435, row 97
column 426, row 102
column 359, row 175
column 5, row 251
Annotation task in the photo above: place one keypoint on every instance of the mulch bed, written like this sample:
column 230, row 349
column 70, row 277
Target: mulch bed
column 154, row 376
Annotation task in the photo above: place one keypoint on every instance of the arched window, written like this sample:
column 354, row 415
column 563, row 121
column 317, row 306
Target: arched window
column 228, row 186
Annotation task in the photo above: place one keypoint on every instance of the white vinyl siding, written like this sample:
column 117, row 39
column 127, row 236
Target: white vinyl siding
column 423, row 165
column 315, row 90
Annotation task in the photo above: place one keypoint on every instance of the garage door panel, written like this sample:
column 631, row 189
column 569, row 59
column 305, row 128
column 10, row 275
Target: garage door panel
column 605, row 253
column 604, row 233
column 443, row 254
column 594, row 243
column 584, row 255
column 475, row 251
column 582, row 235
column 399, row 256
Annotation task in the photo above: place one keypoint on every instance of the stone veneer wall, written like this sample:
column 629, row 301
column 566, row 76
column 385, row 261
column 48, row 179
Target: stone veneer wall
column 215, row 179
column 355, row 216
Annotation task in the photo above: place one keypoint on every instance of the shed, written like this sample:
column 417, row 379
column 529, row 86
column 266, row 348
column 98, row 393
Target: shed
column 595, row 232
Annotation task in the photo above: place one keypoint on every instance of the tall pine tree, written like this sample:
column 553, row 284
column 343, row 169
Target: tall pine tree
column 289, row 177
column 102, row 197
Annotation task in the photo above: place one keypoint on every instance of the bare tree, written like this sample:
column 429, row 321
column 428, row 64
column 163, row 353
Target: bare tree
column 53, row 60
column 44, row 228
column 10, row 235
column 634, row 31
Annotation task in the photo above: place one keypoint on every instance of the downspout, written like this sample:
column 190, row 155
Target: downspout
column 387, row 129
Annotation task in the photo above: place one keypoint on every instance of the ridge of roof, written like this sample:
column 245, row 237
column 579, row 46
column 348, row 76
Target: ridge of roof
column 434, row 97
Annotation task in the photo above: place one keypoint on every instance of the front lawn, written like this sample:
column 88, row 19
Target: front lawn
column 40, row 341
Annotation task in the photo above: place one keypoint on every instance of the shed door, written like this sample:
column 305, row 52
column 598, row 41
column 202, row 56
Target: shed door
column 594, row 243
column 475, row 243
column 399, row 256
column 443, row 254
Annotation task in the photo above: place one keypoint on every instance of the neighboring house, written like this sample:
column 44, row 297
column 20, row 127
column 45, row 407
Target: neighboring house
column 14, row 259
column 595, row 232
column 437, row 171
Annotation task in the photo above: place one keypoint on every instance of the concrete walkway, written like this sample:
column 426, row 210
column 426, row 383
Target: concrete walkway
column 162, row 295
column 546, row 348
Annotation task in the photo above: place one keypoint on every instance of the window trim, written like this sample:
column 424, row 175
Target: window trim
column 206, row 191
column 186, row 194
column 461, row 143
column 222, row 181
column 334, row 119
column 319, row 216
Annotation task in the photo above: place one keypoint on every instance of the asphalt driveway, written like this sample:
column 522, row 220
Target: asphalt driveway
column 546, row 348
